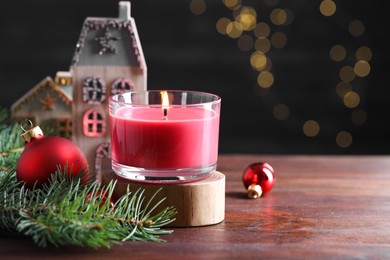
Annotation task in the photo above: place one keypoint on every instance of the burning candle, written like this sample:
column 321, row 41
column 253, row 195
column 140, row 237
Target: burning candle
column 164, row 136
column 165, row 103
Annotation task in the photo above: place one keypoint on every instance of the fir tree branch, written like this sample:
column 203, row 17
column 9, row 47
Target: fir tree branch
column 4, row 117
column 63, row 216
column 11, row 145
column 60, row 214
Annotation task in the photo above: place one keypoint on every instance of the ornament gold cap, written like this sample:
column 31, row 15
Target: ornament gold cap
column 254, row 191
column 32, row 133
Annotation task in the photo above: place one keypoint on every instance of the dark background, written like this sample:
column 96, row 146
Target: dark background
column 185, row 51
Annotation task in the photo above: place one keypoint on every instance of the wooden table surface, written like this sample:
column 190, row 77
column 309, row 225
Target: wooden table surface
column 321, row 207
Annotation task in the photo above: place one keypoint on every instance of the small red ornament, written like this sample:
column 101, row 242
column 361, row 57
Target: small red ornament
column 43, row 155
column 259, row 179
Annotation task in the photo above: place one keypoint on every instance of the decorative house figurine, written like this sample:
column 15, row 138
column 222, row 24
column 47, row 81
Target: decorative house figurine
column 46, row 104
column 108, row 60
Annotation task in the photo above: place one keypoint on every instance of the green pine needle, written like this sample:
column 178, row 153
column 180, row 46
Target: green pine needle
column 68, row 211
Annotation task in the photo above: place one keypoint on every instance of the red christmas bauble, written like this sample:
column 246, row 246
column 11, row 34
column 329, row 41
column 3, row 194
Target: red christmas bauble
column 258, row 179
column 43, row 155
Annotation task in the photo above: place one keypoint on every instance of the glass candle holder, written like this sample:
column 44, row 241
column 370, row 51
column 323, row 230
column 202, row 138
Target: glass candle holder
column 164, row 136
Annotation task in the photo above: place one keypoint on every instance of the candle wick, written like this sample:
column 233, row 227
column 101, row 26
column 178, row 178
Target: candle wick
column 165, row 117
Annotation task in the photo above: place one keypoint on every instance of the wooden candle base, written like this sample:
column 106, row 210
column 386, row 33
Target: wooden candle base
column 197, row 203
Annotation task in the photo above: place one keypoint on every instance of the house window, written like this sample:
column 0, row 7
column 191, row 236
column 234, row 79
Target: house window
column 94, row 123
column 122, row 85
column 94, row 90
column 64, row 127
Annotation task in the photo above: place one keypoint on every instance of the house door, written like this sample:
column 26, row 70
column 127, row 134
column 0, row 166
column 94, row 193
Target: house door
column 102, row 161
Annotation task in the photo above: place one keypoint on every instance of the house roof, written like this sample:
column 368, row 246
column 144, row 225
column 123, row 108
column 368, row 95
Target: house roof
column 45, row 84
column 109, row 42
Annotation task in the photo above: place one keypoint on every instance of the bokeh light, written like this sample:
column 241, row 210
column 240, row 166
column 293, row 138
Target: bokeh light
column 247, row 18
column 344, row 139
column 262, row 44
column 281, row 111
column 265, row 79
column 351, row 99
column 347, row 74
column 337, row 53
column 234, row 29
column 222, row 24
column 290, row 17
column 232, row 4
column 262, row 30
column 198, row 7
column 362, row 68
column 278, row 16
column 258, row 60
column 268, row 65
column 358, row 116
column 278, row 40
column 364, row 53
column 311, row 128
column 327, row 8
column 356, row 28
column 343, row 88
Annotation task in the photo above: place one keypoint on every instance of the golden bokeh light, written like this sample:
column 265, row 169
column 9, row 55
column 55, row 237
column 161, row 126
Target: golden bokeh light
column 290, row 16
column 358, row 116
column 351, row 99
column 262, row 30
column 232, row 4
column 337, row 53
column 234, row 29
column 343, row 88
column 327, row 7
column 364, row 53
column 262, row 44
column 362, row 68
column 344, row 139
column 265, row 79
column 281, row 112
column 258, row 60
column 245, row 42
column 278, row 16
column 347, row 74
column 278, row 40
column 268, row 65
column 311, row 128
column 222, row 24
column 356, row 28
column 198, row 7
column 247, row 18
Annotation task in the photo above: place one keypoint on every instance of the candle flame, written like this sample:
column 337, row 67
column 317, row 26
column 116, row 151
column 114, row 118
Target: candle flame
column 165, row 103
column 165, row 100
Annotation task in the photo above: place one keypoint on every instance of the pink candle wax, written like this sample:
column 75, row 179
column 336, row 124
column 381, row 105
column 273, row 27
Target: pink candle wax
column 188, row 138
